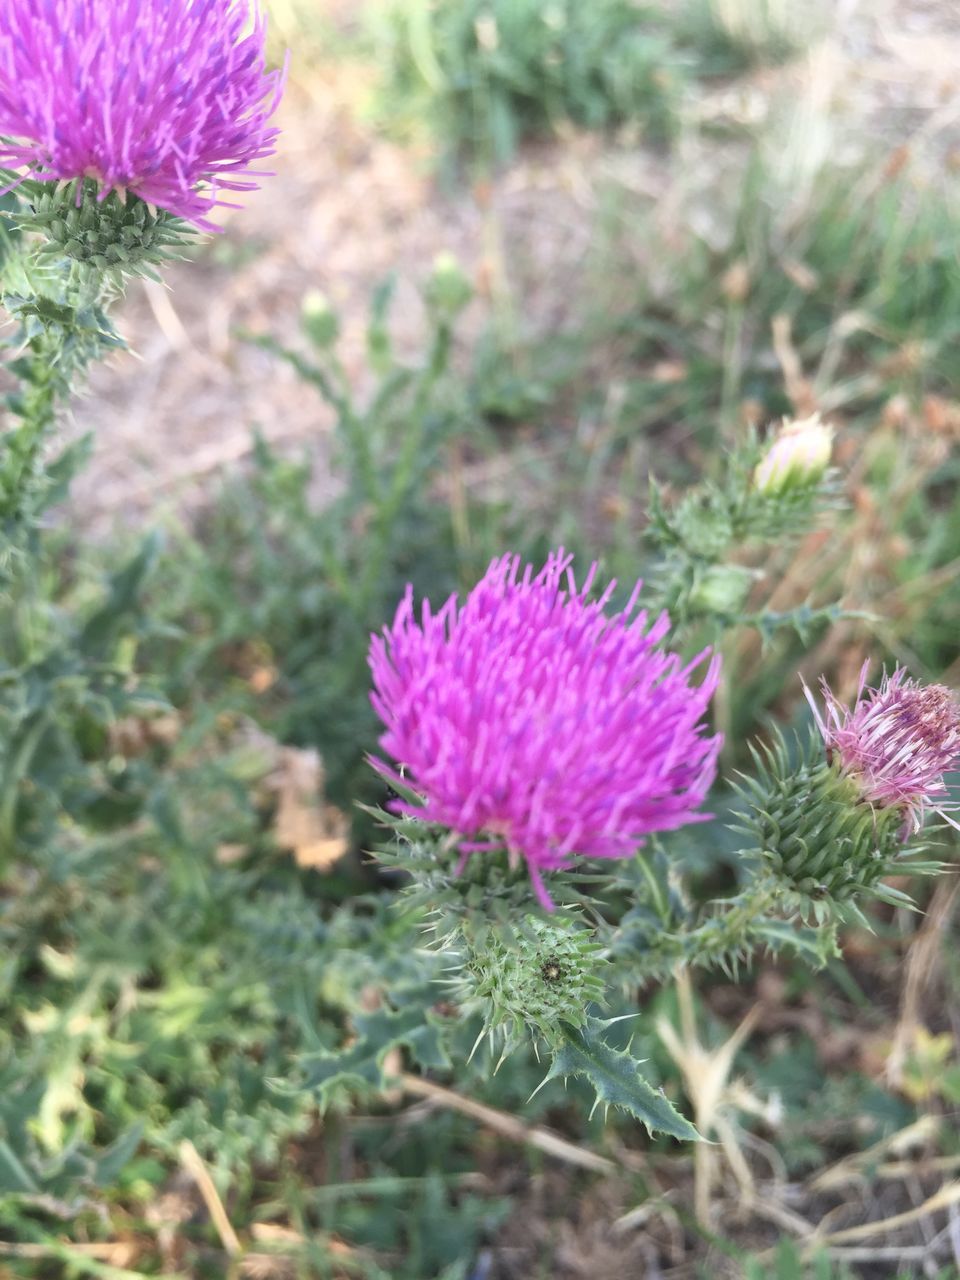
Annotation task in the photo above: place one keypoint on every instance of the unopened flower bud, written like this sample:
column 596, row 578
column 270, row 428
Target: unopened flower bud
column 812, row 829
column 797, row 459
column 448, row 289
column 548, row 974
column 487, row 33
column 319, row 320
column 722, row 590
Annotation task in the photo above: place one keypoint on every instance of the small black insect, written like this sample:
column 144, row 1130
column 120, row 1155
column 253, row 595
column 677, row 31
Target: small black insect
column 552, row 971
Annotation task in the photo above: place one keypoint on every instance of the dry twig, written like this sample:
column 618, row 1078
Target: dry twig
column 851, row 1168
column 947, row 1196
column 193, row 1163
column 508, row 1125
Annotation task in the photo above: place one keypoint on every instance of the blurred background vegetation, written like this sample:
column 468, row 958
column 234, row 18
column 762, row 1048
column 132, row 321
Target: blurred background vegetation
column 518, row 257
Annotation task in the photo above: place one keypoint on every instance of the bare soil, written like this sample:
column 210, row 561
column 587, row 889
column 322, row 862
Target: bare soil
column 348, row 207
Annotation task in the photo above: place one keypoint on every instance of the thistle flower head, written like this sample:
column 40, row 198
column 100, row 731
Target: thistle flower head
column 167, row 99
column 798, row 457
column 897, row 742
column 528, row 718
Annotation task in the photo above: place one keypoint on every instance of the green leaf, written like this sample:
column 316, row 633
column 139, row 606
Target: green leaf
column 111, row 1163
column 614, row 1075
column 377, row 1033
column 123, row 600
column 13, row 1176
column 84, row 1265
column 893, row 897
column 61, row 469
column 379, row 346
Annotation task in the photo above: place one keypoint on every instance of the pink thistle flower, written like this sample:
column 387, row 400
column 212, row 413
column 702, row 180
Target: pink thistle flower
column 528, row 718
column 897, row 742
column 168, row 99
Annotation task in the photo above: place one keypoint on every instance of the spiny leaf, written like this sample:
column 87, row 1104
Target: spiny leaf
column 893, row 897
column 614, row 1075
column 377, row 1033
column 13, row 1176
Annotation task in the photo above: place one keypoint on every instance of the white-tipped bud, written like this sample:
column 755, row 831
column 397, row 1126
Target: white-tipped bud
column 318, row 318
column 487, row 33
column 798, row 457
column 448, row 289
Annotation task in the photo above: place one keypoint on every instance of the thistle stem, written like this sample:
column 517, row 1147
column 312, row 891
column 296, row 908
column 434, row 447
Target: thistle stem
column 720, row 935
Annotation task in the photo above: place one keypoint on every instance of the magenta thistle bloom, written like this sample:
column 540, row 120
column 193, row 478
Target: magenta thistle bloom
column 528, row 718
column 897, row 743
column 168, row 99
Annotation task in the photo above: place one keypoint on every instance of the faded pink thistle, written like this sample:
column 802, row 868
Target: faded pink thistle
column 897, row 742
column 528, row 718
column 168, row 99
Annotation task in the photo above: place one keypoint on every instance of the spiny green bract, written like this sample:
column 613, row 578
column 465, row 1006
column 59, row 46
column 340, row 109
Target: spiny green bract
column 115, row 236
column 819, row 837
column 485, row 898
column 549, row 974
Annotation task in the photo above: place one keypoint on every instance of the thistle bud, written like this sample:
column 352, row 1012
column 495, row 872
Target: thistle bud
column 735, row 282
column 797, row 459
column 448, row 289
column 722, row 590
column 817, row 837
column 319, row 320
column 548, row 974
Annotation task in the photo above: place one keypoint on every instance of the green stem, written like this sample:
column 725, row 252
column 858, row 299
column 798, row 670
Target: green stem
column 52, row 352
column 732, row 363
column 719, row 936
column 23, row 445
column 734, row 923
column 406, row 470
column 656, row 888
